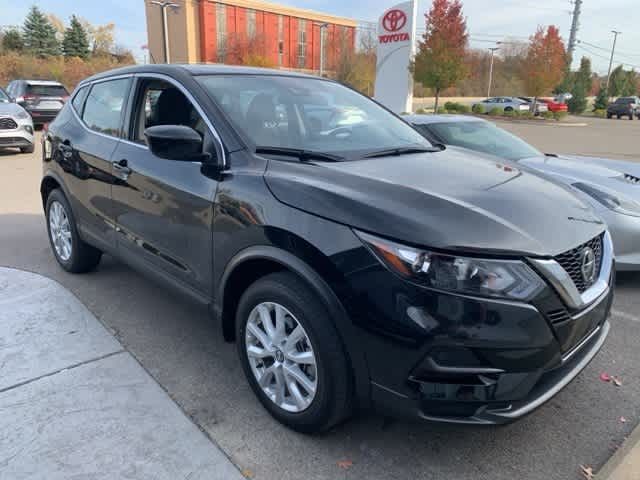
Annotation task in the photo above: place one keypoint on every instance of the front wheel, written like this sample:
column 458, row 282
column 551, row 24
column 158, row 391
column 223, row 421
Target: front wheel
column 292, row 354
column 609, row 115
column 71, row 252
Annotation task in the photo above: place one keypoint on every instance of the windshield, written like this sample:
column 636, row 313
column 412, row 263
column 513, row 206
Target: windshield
column 483, row 137
column 308, row 114
column 4, row 98
column 47, row 90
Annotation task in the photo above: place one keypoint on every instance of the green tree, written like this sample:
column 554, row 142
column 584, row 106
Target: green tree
column 440, row 62
column 617, row 81
column 12, row 40
column 602, row 99
column 75, row 42
column 581, row 87
column 39, row 35
column 630, row 87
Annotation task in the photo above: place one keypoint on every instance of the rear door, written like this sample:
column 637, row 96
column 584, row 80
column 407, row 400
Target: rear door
column 84, row 147
column 164, row 208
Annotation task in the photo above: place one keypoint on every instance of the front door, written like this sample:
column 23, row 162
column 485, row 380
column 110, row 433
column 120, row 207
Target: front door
column 163, row 208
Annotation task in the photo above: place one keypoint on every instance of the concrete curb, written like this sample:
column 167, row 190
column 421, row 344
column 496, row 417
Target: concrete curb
column 625, row 463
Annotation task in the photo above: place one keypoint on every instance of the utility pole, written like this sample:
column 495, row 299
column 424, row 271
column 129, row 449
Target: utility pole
column 165, row 27
column 613, row 51
column 575, row 25
column 493, row 51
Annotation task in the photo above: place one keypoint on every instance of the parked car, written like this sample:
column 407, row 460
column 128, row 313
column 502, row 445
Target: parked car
column 612, row 187
column 508, row 104
column 541, row 107
column 43, row 99
column 624, row 107
column 554, row 105
column 353, row 266
column 16, row 127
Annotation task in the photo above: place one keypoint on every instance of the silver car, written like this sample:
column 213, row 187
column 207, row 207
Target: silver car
column 507, row 104
column 612, row 187
column 16, row 126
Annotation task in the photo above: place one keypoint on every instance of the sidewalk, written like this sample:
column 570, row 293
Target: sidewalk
column 625, row 464
column 75, row 404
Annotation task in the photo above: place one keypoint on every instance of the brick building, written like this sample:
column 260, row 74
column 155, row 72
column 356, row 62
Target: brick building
column 212, row 31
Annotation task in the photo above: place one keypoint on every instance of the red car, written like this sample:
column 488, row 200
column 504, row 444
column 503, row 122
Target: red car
column 554, row 106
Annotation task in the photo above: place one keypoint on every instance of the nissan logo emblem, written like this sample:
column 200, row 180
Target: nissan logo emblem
column 588, row 265
column 394, row 20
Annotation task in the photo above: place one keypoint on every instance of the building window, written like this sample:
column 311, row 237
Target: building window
column 302, row 43
column 221, row 31
column 280, row 39
column 251, row 23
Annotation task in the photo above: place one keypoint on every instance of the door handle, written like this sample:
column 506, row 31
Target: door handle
column 121, row 169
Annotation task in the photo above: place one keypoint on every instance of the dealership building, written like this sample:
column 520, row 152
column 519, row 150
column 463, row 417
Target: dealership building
column 205, row 31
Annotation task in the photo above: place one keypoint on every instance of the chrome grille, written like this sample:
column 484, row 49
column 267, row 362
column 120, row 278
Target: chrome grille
column 8, row 124
column 571, row 261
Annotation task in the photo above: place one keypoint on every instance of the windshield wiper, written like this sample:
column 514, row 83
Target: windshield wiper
column 302, row 155
column 394, row 152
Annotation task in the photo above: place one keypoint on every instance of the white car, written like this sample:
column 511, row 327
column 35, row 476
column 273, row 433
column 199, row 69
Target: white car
column 507, row 104
column 16, row 125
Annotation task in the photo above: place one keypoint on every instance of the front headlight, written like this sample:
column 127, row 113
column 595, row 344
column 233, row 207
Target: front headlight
column 22, row 115
column 612, row 201
column 511, row 279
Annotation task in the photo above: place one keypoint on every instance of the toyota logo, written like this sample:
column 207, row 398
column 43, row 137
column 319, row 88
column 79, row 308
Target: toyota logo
column 588, row 265
column 394, row 20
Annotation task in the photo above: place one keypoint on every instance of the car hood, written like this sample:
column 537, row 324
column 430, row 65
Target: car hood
column 618, row 175
column 10, row 109
column 452, row 200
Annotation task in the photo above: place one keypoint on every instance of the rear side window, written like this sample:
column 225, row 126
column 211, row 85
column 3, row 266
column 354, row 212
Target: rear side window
column 47, row 90
column 104, row 105
column 625, row 100
column 79, row 98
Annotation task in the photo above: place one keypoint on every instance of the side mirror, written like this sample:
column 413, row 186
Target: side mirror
column 176, row 142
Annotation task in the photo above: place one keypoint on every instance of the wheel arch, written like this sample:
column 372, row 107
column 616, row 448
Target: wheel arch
column 50, row 181
column 262, row 260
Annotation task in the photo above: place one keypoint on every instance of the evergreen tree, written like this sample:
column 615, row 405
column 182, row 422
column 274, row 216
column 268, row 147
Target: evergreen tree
column 12, row 40
column 39, row 35
column 75, row 42
column 617, row 81
column 581, row 86
column 602, row 100
column 630, row 88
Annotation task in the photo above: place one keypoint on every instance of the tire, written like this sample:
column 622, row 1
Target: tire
column 508, row 109
column 619, row 117
column 331, row 402
column 631, row 116
column 609, row 115
column 81, row 257
column 29, row 149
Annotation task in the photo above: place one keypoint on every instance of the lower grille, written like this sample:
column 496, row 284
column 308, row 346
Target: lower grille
column 558, row 316
column 571, row 261
column 8, row 124
column 12, row 141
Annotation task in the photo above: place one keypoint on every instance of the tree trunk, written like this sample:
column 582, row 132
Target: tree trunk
column 534, row 105
column 435, row 108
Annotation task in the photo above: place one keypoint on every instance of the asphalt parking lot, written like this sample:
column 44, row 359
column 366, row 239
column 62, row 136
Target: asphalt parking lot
column 178, row 344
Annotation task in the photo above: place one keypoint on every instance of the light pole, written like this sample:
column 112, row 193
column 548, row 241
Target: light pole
column 323, row 27
column 493, row 51
column 165, row 28
column 613, row 51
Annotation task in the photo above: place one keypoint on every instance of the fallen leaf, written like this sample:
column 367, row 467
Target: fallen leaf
column 616, row 381
column 345, row 464
column 623, row 420
column 605, row 377
column 246, row 473
column 587, row 472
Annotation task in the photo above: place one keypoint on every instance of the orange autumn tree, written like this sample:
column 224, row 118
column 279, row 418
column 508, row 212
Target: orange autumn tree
column 440, row 61
column 546, row 62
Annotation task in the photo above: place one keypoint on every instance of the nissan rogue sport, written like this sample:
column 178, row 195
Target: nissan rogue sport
column 353, row 263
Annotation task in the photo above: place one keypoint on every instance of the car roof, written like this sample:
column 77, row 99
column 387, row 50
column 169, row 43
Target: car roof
column 427, row 119
column 195, row 69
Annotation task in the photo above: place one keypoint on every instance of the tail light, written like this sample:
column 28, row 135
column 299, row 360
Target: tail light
column 30, row 98
column 65, row 98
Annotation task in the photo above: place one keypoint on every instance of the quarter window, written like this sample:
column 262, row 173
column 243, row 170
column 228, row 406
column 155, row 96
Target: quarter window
column 104, row 105
column 79, row 98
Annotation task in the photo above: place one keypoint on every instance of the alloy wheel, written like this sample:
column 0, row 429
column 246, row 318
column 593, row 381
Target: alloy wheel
column 281, row 357
column 60, row 231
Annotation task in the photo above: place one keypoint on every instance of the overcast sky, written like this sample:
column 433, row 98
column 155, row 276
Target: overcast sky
column 487, row 20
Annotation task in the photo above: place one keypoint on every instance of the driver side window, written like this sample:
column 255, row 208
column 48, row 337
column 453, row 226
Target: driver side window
column 161, row 103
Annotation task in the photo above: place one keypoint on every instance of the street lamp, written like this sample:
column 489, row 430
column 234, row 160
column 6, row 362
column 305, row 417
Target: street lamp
column 323, row 27
column 493, row 51
column 165, row 29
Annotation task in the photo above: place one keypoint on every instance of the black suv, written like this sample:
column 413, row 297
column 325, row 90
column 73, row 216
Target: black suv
column 624, row 106
column 353, row 263
column 43, row 99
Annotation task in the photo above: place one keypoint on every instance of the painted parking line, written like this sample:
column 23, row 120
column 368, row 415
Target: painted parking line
column 625, row 316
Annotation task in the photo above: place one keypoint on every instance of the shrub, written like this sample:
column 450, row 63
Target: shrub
column 442, row 110
column 600, row 112
column 547, row 115
column 528, row 115
column 496, row 112
column 451, row 106
column 560, row 115
column 421, row 111
column 464, row 109
column 479, row 109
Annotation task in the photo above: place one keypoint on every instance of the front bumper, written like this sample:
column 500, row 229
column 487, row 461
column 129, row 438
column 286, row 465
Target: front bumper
column 18, row 137
column 625, row 231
